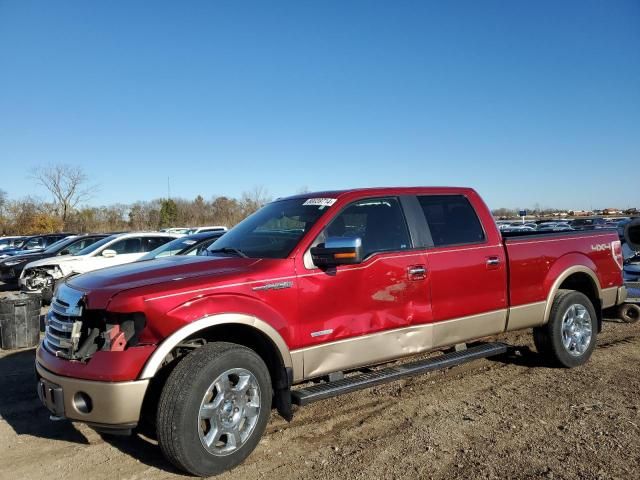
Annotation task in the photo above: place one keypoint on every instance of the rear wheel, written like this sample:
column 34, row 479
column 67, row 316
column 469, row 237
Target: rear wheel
column 569, row 338
column 214, row 408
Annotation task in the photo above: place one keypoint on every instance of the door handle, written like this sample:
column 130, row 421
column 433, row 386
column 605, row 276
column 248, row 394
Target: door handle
column 417, row 272
column 493, row 261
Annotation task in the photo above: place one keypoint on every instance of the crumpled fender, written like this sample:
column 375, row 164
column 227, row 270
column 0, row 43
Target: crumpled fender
column 193, row 316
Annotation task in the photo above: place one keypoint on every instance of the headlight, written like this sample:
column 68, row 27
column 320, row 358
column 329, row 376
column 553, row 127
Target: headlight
column 11, row 263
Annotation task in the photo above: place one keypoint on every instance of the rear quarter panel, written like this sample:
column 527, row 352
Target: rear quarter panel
column 536, row 263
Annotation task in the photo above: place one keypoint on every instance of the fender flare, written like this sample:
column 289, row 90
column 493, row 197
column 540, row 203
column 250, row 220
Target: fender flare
column 155, row 361
column 561, row 278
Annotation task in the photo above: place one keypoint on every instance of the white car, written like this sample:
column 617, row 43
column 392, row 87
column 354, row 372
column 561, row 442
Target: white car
column 42, row 275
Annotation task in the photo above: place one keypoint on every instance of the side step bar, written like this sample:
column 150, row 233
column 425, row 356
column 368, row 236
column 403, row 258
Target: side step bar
column 366, row 380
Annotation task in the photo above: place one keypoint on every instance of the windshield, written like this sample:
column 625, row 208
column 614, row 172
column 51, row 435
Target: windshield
column 54, row 247
column 92, row 248
column 273, row 231
column 168, row 249
column 200, row 248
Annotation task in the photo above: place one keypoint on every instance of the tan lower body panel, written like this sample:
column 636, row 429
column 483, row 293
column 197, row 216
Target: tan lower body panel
column 392, row 344
column 609, row 297
column 114, row 403
column 526, row 316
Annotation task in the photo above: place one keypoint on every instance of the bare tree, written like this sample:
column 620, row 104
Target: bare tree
column 66, row 183
column 254, row 199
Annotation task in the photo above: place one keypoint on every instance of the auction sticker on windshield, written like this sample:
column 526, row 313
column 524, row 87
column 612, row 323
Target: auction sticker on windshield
column 320, row 202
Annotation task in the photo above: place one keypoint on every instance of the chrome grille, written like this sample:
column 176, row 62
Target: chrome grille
column 64, row 322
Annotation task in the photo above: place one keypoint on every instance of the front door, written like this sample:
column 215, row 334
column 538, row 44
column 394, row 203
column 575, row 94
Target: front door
column 344, row 310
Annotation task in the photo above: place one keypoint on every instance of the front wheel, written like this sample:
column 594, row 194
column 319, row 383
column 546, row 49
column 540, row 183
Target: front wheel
column 214, row 408
column 569, row 337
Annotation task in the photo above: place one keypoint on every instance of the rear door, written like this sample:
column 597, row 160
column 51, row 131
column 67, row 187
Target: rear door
column 467, row 271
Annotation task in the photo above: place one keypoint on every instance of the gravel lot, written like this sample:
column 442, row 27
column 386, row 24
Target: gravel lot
column 506, row 418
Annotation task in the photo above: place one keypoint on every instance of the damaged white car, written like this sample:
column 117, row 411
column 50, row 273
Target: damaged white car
column 42, row 275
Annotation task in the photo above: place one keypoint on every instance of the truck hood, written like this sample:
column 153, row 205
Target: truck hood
column 104, row 283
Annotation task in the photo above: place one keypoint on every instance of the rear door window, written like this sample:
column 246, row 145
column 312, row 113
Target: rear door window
column 127, row 245
column 452, row 220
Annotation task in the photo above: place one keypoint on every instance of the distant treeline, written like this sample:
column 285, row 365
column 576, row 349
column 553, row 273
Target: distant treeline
column 31, row 215
column 68, row 188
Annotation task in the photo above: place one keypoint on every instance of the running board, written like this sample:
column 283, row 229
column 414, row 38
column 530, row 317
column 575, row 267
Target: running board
column 322, row 391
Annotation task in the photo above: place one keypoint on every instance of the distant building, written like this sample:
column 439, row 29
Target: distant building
column 611, row 211
column 580, row 213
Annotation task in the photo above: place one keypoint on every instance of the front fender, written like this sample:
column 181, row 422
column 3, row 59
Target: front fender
column 193, row 316
column 154, row 363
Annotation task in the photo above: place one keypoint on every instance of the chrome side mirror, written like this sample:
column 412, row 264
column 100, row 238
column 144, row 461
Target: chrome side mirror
column 337, row 251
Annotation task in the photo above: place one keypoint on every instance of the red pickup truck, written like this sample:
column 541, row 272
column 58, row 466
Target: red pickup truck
column 310, row 290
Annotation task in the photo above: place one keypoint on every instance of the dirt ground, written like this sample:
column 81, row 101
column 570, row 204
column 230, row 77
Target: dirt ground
column 504, row 418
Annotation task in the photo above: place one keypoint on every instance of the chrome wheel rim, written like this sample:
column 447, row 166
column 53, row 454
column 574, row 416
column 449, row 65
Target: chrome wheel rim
column 229, row 411
column 576, row 330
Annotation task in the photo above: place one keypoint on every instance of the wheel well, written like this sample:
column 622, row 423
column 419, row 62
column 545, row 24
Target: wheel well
column 248, row 337
column 233, row 333
column 583, row 283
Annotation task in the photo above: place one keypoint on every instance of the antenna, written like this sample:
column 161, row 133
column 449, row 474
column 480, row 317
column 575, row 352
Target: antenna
column 168, row 189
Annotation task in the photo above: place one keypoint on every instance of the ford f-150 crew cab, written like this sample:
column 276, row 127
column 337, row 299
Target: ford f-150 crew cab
column 310, row 287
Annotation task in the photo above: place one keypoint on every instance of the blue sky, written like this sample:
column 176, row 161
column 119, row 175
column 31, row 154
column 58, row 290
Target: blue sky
column 528, row 102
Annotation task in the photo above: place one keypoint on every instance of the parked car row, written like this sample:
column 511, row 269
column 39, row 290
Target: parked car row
column 533, row 227
column 29, row 244
column 12, row 265
column 563, row 225
column 38, row 270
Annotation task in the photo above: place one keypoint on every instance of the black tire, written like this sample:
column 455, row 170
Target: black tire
column 548, row 338
column 629, row 312
column 47, row 296
column 177, row 421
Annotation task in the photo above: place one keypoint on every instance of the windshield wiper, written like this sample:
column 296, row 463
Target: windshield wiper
column 234, row 251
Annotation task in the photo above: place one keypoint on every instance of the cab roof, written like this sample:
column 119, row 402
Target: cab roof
column 376, row 191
